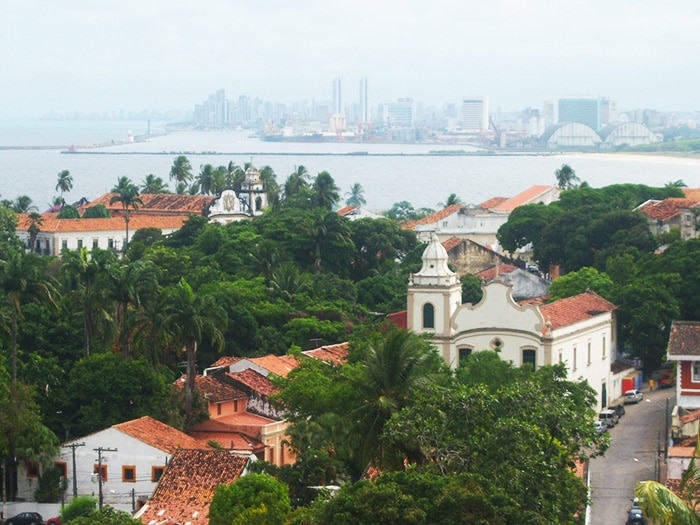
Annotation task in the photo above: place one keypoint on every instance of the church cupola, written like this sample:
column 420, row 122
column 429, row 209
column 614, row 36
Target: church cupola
column 435, row 270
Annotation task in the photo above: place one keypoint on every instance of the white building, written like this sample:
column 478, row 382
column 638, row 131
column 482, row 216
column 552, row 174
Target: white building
column 132, row 456
column 475, row 114
column 578, row 331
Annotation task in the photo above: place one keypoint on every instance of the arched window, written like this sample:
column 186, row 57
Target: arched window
column 428, row 316
column 258, row 204
column 530, row 358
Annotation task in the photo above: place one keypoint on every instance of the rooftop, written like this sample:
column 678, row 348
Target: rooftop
column 52, row 224
column 161, row 203
column 159, row 435
column 666, row 209
column 684, row 338
column 334, row 354
column 574, row 309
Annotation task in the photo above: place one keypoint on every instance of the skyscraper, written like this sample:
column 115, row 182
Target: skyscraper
column 475, row 114
column 583, row 110
column 364, row 101
column 337, row 96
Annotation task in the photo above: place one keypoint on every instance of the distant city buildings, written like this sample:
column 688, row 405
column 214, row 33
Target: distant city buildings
column 475, row 114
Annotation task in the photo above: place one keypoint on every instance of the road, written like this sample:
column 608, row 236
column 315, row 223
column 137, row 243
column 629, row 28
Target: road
column 639, row 434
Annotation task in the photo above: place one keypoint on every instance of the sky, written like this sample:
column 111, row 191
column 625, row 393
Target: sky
column 95, row 55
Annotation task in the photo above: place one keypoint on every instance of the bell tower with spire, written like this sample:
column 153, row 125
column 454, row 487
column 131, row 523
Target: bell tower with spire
column 434, row 293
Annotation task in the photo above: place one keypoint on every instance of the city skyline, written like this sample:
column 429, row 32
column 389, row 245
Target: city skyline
column 161, row 56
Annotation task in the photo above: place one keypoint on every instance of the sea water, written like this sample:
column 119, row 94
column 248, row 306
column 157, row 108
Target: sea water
column 388, row 173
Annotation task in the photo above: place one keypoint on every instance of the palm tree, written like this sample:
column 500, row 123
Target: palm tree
column 394, row 365
column 181, row 171
column 206, row 179
column 152, row 185
column 24, row 277
column 269, row 180
column 665, row 507
column 35, row 223
column 325, row 192
column 451, row 201
column 566, row 177
column 187, row 319
column 235, row 176
column 82, row 273
column 23, row 204
column 65, row 183
column 297, row 183
column 356, row 195
column 128, row 195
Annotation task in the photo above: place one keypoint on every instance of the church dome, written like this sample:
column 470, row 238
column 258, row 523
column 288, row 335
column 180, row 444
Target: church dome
column 435, row 269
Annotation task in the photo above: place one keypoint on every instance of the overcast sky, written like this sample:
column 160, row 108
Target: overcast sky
column 94, row 55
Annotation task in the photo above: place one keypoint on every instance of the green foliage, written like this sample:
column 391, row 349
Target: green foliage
column 106, row 389
column 575, row 283
column 105, row 516
column 525, row 225
column 68, row 212
column 50, row 486
column 187, row 235
column 79, row 506
column 98, row 211
column 254, row 499
column 472, row 288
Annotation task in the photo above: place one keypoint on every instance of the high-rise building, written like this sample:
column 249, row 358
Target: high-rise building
column 364, row 102
column 475, row 114
column 399, row 114
column 337, row 96
column 583, row 110
column 214, row 111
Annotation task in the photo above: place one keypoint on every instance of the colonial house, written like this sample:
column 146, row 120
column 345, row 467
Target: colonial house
column 663, row 215
column 467, row 256
column 526, row 284
column 187, row 487
column 131, row 457
column 479, row 223
column 684, row 347
column 578, row 331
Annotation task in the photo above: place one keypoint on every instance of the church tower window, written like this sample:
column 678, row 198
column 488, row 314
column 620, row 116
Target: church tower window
column 428, row 316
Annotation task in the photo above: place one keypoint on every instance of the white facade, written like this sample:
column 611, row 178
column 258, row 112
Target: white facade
column 522, row 333
column 475, row 114
column 147, row 462
column 473, row 223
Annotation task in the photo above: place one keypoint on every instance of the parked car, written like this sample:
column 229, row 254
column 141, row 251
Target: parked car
column 54, row 521
column 600, row 426
column 619, row 409
column 633, row 396
column 635, row 515
column 609, row 417
column 25, row 518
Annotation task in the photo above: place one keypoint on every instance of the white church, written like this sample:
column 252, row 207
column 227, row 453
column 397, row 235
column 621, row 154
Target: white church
column 578, row 331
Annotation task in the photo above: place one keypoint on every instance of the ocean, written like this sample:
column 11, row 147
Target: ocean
column 389, row 173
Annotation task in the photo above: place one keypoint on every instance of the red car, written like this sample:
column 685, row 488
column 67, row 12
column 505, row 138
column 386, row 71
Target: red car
column 54, row 521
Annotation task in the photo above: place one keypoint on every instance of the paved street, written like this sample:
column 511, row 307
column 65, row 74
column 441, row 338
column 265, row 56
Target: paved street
column 639, row 434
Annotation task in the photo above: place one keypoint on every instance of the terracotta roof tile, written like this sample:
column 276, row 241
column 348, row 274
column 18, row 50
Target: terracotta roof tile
column 690, row 416
column 159, row 435
column 400, row 319
column 255, row 381
column 441, row 214
column 692, row 193
column 570, row 310
column 51, row 223
column 452, row 243
column 278, row 365
column 528, row 196
column 334, row 354
column 225, row 361
column 684, row 338
column 492, row 202
column 216, row 389
column 490, row 273
column 232, row 440
column 346, row 209
column 666, row 209
column 162, row 203
column 186, row 489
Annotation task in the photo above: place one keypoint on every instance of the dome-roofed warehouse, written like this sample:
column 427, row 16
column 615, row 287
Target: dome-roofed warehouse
column 629, row 133
column 570, row 135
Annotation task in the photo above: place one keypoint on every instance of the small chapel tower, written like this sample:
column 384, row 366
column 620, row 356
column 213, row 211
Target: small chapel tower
column 434, row 293
column 253, row 192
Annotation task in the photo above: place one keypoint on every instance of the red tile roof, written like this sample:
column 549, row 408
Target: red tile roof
column 51, row 223
column 231, row 440
column 278, row 365
column 161, row 203
column 570, row 310
column 490, row 273
column 528, row 196
column 256, row 382
column 215, row 389
column 225, row 361
column 334, row 354
column 691, row 416
column 224, row 422
column 441, row 214
column 346, row 209
column 684, row 338
column 159, row 435
column 692, row 193
column 452, row 243
column 492, row 202
column 186, row 489
column 666, row 209
column 400, row 319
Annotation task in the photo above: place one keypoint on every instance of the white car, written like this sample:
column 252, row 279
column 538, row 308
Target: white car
column 600, row 426
column 633, row 396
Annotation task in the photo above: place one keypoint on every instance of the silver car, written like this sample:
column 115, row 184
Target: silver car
column 633, row 396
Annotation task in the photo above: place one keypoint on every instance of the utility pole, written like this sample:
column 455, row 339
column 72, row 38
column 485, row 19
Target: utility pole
column 73, row 446
column 99, row 451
